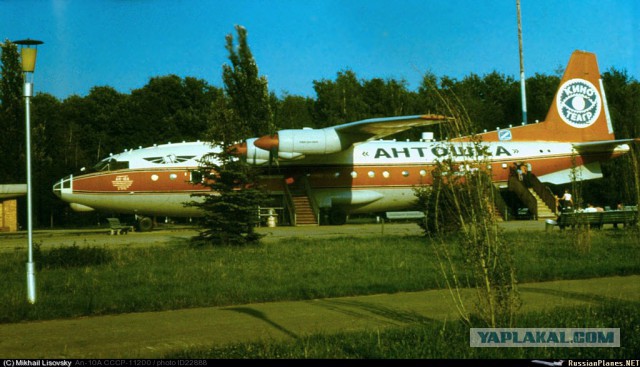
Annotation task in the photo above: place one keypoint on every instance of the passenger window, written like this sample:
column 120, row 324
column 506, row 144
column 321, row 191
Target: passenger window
column 196, row 177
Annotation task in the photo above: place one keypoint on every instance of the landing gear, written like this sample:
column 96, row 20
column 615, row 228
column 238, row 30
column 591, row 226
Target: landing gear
column 337, row 216
column 145, row 224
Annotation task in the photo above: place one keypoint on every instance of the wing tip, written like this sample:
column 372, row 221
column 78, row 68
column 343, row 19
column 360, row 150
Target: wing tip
column 434, row 117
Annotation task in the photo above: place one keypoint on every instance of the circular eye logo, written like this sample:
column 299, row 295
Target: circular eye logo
column 578, row 103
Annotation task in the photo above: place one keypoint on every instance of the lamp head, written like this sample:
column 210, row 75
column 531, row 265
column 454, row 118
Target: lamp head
column 28, row 52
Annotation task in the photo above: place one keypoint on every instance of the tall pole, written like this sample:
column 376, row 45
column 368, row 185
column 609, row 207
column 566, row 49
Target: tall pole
column 523, row 92
column 31, row 268
column 28, row 59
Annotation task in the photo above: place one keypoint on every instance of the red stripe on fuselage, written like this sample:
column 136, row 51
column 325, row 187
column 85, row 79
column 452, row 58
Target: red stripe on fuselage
column 336, row 176
column 366, row 176
column 124, row 181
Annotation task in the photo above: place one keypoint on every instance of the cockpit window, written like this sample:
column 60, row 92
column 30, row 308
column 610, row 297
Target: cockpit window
column 103, row 165
column 110, row 164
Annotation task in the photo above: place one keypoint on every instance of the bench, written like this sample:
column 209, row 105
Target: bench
column 117, row 228
column 406, row 215
column 598, row 219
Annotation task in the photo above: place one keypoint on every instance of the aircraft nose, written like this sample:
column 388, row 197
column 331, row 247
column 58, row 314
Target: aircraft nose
column 57, row 189
column 65, row 184
column 267, row 142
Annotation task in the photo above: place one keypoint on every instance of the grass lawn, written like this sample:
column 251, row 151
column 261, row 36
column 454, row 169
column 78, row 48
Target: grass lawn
column 93, row 281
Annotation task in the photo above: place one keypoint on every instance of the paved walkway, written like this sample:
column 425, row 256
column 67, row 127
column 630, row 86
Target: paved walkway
column 154, row 334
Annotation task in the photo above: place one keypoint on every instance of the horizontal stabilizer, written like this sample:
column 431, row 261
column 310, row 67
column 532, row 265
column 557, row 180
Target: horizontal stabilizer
column 604, row 145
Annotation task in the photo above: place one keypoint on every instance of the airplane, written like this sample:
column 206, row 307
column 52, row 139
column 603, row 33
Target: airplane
column 348, row 169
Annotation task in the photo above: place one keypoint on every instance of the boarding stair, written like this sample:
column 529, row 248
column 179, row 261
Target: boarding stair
column 499, row 209
column 536, row 196
column 543, row 210
column 304, row 211
column 298, row 202
column 499, row 217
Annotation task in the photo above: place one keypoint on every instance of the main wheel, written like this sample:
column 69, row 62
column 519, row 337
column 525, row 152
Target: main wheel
column 145, row 224
column 337, row 216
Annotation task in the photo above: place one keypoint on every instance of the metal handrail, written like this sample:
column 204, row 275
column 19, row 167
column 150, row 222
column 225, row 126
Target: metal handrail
column 523, row 194
column 288, row 203
column 312, row 201
column 267, row 212
column 545, row 193
column 499, row 203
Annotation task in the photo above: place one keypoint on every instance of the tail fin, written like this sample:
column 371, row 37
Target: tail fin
column 578, row 113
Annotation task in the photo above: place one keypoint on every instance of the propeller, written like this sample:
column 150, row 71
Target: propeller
column 269, row 143
column 238, row 150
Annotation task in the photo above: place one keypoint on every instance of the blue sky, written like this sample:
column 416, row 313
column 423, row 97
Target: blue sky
column 123, row 43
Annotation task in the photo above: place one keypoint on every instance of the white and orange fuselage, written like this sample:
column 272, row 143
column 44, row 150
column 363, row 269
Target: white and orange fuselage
column 149, row 181
column 375, row 176
column 349, row 167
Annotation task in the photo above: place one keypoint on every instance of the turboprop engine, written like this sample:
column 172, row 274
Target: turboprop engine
column 296, row 143
column 256, row 155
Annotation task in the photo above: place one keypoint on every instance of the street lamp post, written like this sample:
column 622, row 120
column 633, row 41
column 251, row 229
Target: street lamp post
column 28, row 52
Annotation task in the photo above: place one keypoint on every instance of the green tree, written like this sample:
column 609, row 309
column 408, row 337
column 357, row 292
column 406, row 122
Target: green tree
column 622, row 176
column 247, row 90
column 294, row 112
column 339, row 101
column 76, row 135
column 93, row 127
column 428, row 93
column 192, row 119
column 540, row 92
column 12, row 150
column 46, row 123
column 104, row 123
column 152, row 109
column 231, row 210
column 491, row 101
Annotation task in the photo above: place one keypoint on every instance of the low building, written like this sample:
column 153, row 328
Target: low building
column 9, row 206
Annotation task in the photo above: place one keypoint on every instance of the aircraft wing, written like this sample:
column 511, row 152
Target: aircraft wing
column 603, row 146
column 296, row 143
column 377, row 128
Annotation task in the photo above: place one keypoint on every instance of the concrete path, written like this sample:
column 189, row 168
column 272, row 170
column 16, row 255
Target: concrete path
column 154, row 334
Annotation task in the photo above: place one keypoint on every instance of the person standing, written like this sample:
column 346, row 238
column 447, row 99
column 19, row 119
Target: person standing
column 519, row 171
column 567, row 200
